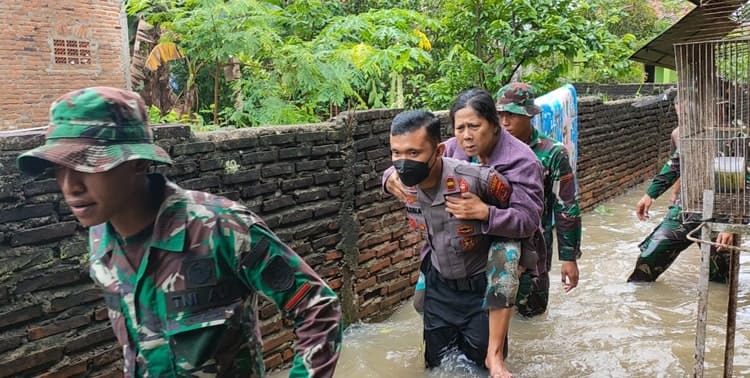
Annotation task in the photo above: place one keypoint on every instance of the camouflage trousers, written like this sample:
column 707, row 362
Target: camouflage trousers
column 533, row 294
column 533, row 287
column 666, row 242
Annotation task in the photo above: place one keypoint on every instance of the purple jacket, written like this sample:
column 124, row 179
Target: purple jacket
column 518, row 163
column 520, row 166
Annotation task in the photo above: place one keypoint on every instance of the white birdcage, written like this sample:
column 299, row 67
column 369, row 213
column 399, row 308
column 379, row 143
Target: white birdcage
column 713, row 98
column 713, row 93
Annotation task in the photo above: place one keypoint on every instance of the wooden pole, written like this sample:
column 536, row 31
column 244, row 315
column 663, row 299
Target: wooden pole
column 700, row 330
column 734, row 272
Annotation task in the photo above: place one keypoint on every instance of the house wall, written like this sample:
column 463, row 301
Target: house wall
column 33, row 72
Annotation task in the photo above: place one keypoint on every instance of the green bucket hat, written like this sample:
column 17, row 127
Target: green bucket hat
column 94, row 130
column 517, row 98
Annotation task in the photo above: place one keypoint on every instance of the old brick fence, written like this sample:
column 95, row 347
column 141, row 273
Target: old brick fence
column 316, row 185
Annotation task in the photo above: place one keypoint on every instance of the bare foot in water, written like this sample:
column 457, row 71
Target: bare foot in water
column 504, row 373
column 496, row 365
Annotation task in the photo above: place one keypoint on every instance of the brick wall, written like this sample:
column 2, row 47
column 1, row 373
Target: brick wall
column 621, row 91
column 621, row 144
column 317, row 186
column 30, row 77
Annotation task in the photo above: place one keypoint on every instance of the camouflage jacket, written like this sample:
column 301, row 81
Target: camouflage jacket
column 190, row 307
column 668, row 175
column 561, row 210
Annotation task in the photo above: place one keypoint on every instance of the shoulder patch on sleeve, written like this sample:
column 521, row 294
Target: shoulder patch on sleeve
column 278, row 275
column 450, row 184
column 498, row 187
column 463, row 186
column 257, row 253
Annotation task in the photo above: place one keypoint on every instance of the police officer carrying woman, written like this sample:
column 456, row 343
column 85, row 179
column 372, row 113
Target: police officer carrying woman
column 479, row 138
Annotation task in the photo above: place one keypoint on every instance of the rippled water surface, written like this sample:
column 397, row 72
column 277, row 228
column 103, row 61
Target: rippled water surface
column 604, row 328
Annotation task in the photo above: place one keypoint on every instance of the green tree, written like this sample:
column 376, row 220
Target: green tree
column 636, row 17
column 303, row 60
column 382, row 46
column 672, row 11
column 299, row 61
column 635, row 23
column 485, row 42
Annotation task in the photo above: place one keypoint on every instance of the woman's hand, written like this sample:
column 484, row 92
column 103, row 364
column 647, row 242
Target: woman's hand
column 468, row 206
column 394, row 186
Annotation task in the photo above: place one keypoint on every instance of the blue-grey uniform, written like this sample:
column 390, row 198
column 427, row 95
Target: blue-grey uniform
column 455, row 265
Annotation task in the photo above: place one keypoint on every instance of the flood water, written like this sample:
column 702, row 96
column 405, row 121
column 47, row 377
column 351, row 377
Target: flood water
column 604, row 328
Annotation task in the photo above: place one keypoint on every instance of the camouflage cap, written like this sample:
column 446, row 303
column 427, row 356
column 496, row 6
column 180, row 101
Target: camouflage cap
column 94, row 130
column 517, row 98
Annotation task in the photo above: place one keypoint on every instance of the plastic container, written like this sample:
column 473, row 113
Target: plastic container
column 729, row 174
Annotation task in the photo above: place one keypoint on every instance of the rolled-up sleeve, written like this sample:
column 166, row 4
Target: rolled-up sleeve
column 274, row 270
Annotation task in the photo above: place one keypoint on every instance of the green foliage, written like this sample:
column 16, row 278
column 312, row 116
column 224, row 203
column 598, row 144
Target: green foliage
column 305, row 60
column 300, row 61
column 673, row 10
column 308, row 17
column 634, row 23
column 609, row 65
column 155, row 116
column 231, row 167
column 380, row 46
column 634, row 17
column 195, row 122
column 733, row 62
column 360, row 6
column 484, row 43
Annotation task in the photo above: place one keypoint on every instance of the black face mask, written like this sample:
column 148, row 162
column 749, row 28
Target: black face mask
column 411, row 172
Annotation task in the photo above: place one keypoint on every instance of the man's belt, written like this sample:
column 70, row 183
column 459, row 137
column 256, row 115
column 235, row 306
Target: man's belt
column 476, row 283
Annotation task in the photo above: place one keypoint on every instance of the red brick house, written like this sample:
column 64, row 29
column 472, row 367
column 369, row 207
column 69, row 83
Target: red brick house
column 48, row 48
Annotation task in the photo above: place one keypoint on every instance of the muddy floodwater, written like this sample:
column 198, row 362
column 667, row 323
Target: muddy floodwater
column 604, row 328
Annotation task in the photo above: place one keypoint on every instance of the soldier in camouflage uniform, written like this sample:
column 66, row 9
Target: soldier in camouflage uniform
column 669, row 238
column 516, row 107
column 181, row 270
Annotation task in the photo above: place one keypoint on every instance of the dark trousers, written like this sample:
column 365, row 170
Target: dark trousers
column 666, row 242
column 453, row 319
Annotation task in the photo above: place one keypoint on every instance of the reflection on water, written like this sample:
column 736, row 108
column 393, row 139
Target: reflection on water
column 604, row 328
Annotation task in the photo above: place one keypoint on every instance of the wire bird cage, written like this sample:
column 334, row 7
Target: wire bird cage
column 713, row 94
